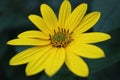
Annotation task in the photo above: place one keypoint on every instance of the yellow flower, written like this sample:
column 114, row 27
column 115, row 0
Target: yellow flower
column 60, row 41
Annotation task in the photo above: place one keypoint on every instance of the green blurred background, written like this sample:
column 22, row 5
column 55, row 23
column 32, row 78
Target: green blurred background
column 13, row 20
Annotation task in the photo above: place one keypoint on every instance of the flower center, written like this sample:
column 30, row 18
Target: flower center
column 61, row 38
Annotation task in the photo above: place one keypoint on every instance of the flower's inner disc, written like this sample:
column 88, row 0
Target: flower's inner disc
column 61, row 38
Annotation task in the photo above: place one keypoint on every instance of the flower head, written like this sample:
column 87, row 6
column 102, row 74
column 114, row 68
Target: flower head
column 60, row 41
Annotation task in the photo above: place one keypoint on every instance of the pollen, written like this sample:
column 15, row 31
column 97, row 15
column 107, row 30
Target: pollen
column 61, row 38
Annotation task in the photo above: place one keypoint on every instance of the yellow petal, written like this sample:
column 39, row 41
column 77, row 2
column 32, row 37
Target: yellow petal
column 39, row 22
column 76, row 16
column 31, row 42
column 65, row 10
column 86, row 50
column 24, row 56
column 38, row 62
column 88, row 21
column 49, row 17
column 55, row 61
column 76, row 64
column 33, row 34
column 92, row 37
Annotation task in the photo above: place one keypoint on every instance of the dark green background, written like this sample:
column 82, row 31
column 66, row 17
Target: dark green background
column 13, row 20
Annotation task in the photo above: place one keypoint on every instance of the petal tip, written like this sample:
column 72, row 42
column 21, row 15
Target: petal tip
column 28, row 72
column 84, row 5
column 97, row 14
column 43, row 5
column 84, row 74
column 102, row 55
column 49, row 74
column 66, row 1
column 109, row 36
column 11, row 62
column 9, row 42
column 29, row 17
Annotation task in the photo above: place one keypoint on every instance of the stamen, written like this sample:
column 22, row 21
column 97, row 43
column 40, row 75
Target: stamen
column 68, row 31
column 64, row 30
column 50, row 36
column 54, row 31
column 58, row 29
column 71, row 33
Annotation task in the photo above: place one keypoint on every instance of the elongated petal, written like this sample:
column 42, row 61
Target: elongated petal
column 39, row 22
column 38, row 63
column 49, row 17
column 55, row 61
column 92, row 37
column 65, row 10
column 33, row 34
column 24, row 56
column 75, row 18
column 76, row 64
column 87, row 50
column 88, row 21
column 36, row 42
